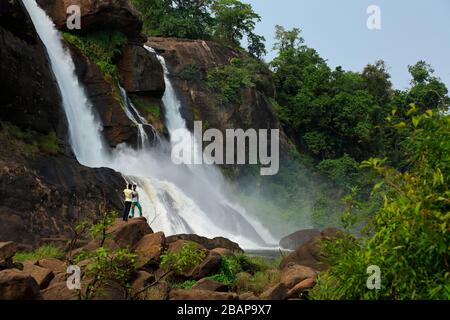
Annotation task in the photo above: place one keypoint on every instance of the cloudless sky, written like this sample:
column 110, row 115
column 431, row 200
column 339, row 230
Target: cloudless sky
column 411, row 30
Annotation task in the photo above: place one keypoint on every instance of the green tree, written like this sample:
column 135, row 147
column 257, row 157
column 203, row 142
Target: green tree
column 233, row 21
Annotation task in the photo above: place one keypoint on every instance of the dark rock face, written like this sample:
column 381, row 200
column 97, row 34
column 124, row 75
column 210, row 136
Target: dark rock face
column 296, row 239
column 198, row 102
column 29, row 96
column 117, row 127
column 97, row 15
column 141, row 71
column 40, row 194
column 40, row 198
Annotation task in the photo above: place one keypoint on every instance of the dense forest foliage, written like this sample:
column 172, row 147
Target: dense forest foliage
column 384, row 151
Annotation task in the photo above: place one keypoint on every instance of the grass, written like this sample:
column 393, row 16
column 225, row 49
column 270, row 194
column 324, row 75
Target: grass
column 44, row 252
column 188, row 284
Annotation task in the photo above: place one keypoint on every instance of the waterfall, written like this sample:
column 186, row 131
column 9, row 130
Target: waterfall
column 175, row 199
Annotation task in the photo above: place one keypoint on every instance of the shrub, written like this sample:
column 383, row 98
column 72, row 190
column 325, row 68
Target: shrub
column 101, row 47
column 229, row 268
column 408, row 238
column 190, row 256
column 188, row 284
column 191, row 72
column 44, row 252
column 49, row 143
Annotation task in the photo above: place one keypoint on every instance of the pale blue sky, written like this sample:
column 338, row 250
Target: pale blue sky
column 411, row 30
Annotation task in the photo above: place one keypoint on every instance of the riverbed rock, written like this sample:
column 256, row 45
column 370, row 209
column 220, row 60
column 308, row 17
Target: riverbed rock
column 296, row 239
column 210, row 285
column 210, row 244
column 184, row 294
column 128, row 234
column 59, row 291
column 7, row 252
column 18, row 285
column 301, row 287
column 295, row 274
column 149, row 249
column 43, row 276
column 276, row 292
column 210, row 266
column 309, row 254
column 54, row 265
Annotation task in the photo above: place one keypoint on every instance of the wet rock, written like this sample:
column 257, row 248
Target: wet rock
column 141, row 71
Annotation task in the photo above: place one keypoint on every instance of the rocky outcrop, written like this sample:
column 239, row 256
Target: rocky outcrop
column 141, row 71
column 210, row 285
column 97, row 15
column 105, row 98
column 210, row 244
column 29, row 97
column 310, row 253
column 18, row 285
column 200, row 103
column 128, row 234
column 150, row 248
column 7, row 252
column 296, row 239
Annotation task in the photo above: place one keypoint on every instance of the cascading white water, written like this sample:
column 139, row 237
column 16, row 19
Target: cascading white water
column 176, row 199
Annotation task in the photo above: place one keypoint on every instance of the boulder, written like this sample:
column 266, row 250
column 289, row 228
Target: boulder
column 300, row 287
column 276, row 292
column 249, row 296
column 309, row 254
column 296, row 239
column 42, row 275
column 18, row 285
column 211, row 265
column 295, row 274
column 97, row 15
column 59, row 291
column 149, row 249
column 184, row 294
column 55, row 265
column 210, row 285
column 209, row 244
column 111, row 290
column 178, row 245
column 223, row 252
column 141, row 280
column 141, row 71
column 7, row 252
column 128, row 234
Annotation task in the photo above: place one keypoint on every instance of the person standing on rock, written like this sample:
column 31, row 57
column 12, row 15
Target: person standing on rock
column 128, row 192
column 135, row 202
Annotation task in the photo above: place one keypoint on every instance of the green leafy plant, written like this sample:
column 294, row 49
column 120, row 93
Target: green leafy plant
column 101, row 47
column 184, row 260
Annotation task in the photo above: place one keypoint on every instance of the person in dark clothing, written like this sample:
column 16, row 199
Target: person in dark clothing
column 128, row 192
